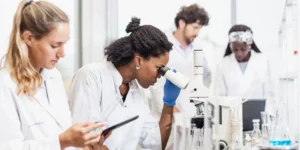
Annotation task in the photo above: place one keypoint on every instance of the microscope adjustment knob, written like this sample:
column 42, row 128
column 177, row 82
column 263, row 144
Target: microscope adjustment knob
column 223, row 145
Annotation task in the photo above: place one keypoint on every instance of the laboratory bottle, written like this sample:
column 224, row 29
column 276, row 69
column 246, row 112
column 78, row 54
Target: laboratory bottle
column 256, row 133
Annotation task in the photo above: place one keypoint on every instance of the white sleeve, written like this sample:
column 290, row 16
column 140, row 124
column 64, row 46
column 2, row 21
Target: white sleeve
column 11, row 136
column 220, row 83
column 150, row 137
column 85, row 96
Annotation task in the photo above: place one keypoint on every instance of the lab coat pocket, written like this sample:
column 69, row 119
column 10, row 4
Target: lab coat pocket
column 42, row 127
column 36, row 124
column 39, row 122
column 42, row 122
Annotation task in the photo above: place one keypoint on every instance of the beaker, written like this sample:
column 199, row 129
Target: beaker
column 182, row 133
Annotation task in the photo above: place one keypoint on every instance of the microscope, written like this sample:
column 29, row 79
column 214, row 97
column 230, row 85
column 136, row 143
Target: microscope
column 209, row 114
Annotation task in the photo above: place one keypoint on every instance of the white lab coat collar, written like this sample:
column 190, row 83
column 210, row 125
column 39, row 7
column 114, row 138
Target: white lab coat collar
column 250, row 61
column 133, row 85
column 48, row 76
column 177, row 46
column 176, row 42
column 251, row 51
column 29, row 122
column 44, row 74
column 39, row 96
column 250, row 84
column 116, row 75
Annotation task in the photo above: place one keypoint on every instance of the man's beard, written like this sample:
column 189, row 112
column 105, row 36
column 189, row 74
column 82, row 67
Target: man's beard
column 189, row 40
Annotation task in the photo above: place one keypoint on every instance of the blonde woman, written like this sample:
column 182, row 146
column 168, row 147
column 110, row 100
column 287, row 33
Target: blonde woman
column 34, row 112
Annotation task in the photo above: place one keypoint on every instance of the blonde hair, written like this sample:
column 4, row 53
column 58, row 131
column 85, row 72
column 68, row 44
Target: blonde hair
column 39, row 18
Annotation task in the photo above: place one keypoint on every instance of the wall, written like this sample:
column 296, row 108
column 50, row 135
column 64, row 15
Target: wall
column 93, row 30
column 7, row 10
column 264, row 18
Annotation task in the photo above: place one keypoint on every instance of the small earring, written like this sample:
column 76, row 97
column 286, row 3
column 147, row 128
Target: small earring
column 138, row 67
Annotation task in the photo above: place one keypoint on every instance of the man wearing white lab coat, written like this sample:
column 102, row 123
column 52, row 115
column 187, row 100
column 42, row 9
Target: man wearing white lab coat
column 188, row 21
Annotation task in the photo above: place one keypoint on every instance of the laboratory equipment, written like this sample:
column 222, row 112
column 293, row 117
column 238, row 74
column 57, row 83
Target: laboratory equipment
column 265, row 132
column 199, row 94
column 213, row 122
column 248, row 142
column 293, row 147
column 280, row 136
column 197, row 138
column 182, row 137
column 288, row 104
column 255, row 106
column 265, row 128
column 236, row 128
column 256, row 134
column 175, row 77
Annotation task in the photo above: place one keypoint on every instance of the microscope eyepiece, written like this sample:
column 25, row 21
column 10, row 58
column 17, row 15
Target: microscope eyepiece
column 163, row 70
column 175, row 77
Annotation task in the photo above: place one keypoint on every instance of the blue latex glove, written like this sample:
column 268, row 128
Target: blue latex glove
column 171, row 92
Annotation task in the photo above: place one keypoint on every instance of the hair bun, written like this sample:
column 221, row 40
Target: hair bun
column 133, row 25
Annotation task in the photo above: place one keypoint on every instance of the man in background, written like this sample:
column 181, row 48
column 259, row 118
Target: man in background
column 188, row 22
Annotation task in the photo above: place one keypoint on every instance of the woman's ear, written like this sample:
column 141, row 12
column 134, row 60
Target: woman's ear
column 28, row 37
column 137, row 60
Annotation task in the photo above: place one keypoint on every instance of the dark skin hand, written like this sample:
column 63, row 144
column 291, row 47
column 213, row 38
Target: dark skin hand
column 165, row 124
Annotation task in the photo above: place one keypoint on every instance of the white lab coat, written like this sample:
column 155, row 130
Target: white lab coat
column 95, row 96
column 254, row 83
column 33, row 123
column 183, row 61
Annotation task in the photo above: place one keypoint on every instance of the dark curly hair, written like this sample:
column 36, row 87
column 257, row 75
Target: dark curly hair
column 192, row 14
column 147, row 41
column 236, row 28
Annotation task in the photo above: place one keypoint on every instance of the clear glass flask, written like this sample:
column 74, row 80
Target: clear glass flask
column 256, row 133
